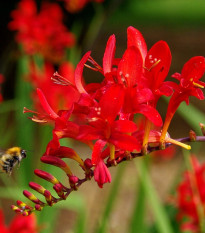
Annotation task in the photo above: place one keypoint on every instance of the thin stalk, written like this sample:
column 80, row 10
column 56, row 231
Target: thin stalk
column 161, row 218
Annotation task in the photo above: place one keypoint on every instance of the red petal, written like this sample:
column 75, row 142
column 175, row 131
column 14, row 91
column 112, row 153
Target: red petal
column 97, row 150
column 135, row 38
column 87, row 132
column 111, row 102
column 165, row 89
column 194, row 68
column 151, row 113
column 124, row 126
column 157, row 72
column 130, row 67
column 109, row 55
column 23, row 224
column 125, row 142
column 79, row 73
column 102, row 174
column 45, row 104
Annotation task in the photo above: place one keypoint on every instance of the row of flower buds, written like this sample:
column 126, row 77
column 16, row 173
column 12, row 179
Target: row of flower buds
column 61, row 190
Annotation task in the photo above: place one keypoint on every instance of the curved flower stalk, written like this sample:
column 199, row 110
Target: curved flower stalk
column 104, row 116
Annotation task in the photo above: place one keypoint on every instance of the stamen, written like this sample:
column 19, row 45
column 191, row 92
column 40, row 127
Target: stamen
column 155, row 64
column 198, row 85
column 96, row 67
column 58, row 79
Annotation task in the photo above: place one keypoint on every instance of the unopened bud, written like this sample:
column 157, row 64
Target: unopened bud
column 38, row 207
column 46, row 176
column 37, row 187
column 73, row 181
column 48, row 197
column 59, row 190
column 88, row 163
column 56, row 162
column 32, row 197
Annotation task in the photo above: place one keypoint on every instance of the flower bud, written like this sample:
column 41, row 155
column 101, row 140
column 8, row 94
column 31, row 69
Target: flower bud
column 48, row 197
column 59, row 190
column 46, row 176
column 56, row 162
column 73, row 181
column 37, row 187
column 88, row 163
column 38, row 207
column 32, row 197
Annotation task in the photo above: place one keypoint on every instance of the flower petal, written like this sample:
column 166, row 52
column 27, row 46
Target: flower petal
column 157, row 63
column 125, row 142
column 45, row 104
column 194, row 68
column 135, row 38
column 130, row 67
column 151, row 113
column 97, row 151
column 109, row 55
column 124, row 126
column 111, row 102
column 79, row 73
column 101, row 174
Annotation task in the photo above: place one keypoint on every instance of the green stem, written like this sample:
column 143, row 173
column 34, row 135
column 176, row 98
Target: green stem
column 112, row 199
column 162, row 220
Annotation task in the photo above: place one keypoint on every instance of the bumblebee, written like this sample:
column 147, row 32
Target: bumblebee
column 10, row 158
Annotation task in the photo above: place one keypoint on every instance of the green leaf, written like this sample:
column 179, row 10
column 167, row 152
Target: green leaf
column 111, row 199
column 162, row 221
column 137, row 223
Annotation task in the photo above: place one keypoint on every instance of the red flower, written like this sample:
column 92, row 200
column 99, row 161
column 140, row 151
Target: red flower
column 39, row 32
column 103, row 124
column 191, row 197
column 156, row 64
column 101, row 172
column 20, row 224
column 128, row 74
column 189, row 85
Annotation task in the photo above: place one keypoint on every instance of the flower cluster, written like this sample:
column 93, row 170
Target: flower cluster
column 19, row 224
column 74, row 6
column 104, row 116
column 191, row 197
column 38, row 32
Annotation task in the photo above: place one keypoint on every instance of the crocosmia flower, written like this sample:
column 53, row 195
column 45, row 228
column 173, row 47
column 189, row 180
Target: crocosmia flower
column 19, row 224
column 191, row 197
column 189, row 85
column 41, row 32
column 116, row 118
